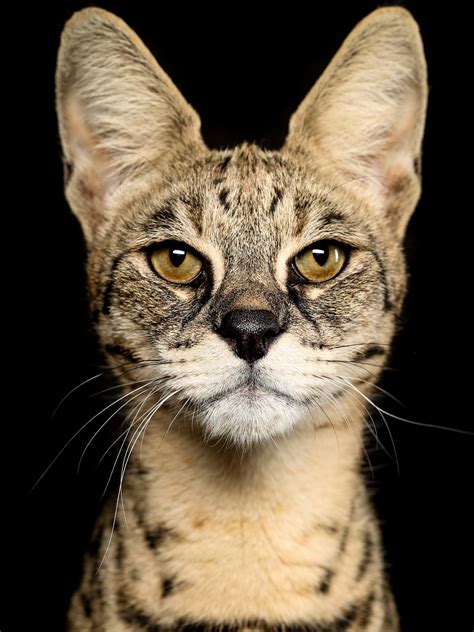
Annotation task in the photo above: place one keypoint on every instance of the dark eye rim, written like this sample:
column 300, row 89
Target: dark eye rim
column 300, row 279
column 168, row 243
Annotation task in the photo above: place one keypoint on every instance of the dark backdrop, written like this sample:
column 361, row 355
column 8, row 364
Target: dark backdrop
column 245, row 71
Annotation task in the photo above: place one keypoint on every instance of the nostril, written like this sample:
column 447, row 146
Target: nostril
column 272, row 331
column 251, row 331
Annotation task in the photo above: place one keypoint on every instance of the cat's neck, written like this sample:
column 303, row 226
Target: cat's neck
column 311, row 474
column 229, row 529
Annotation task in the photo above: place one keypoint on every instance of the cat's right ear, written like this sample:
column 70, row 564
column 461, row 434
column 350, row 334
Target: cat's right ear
column 120, row 116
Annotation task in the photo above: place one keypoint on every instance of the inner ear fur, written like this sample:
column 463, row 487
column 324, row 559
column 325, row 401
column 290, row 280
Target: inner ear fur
column 363, row 120
column 120, row 115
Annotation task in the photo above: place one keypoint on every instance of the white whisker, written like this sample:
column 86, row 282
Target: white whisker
column 127, row 401
column 127, row 455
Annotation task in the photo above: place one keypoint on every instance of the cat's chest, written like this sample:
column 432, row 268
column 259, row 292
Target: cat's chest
column 234, row 566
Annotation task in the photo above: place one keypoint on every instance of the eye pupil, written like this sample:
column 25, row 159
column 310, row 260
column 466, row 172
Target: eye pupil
column 320, row 255
column 321, row 261
column 177, row 256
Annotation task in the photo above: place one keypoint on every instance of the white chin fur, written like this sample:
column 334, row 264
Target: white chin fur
column 244, row 418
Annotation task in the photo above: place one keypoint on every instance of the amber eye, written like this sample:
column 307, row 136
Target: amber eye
column 176, row 262
column 321, row 261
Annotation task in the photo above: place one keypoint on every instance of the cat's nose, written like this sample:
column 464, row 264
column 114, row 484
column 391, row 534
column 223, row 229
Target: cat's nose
column 251, row 331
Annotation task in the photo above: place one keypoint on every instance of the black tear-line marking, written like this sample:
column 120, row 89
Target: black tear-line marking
column 299, row 302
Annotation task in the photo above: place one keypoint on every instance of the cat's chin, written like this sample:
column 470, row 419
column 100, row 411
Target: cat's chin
column 248, row 416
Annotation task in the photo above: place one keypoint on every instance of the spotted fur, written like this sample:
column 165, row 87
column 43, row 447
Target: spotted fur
column 245, row 508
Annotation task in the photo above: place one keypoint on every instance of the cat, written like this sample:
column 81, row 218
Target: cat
column 246, row 300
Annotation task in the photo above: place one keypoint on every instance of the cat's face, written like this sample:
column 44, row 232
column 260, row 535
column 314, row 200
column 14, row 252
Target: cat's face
column 253, row 288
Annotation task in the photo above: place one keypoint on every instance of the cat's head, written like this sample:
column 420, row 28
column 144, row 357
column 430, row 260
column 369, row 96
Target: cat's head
column 251, row 287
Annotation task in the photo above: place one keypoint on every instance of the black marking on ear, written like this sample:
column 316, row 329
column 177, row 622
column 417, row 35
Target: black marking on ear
column 368, row 353
column 86, row 605
column 325, row 584
column 167, row 586
column 107, row 296
column 224, row 199
column 277, row 197
column 123, row 352
column 367, row 555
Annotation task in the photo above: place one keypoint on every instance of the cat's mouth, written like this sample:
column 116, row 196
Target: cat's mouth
column 250, row 391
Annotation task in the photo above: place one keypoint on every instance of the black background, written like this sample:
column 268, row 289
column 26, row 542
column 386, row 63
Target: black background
column 245, row 69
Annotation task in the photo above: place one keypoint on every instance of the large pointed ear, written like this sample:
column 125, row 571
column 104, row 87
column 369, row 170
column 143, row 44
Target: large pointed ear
column 120, row 116
column 363, row 120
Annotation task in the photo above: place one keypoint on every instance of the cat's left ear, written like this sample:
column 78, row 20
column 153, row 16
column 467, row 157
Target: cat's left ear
column 362, row 123
column 121, row 118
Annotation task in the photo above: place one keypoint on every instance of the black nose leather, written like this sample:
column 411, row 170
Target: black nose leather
column 251, row 331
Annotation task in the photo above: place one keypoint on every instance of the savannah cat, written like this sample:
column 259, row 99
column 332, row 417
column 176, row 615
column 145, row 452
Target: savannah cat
column 246, row 300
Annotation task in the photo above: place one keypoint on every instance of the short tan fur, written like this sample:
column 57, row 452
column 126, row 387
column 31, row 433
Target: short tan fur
column 245, row 506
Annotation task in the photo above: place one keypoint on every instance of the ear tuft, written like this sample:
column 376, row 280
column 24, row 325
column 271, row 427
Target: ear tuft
column 365, row 116
column 120, row 116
